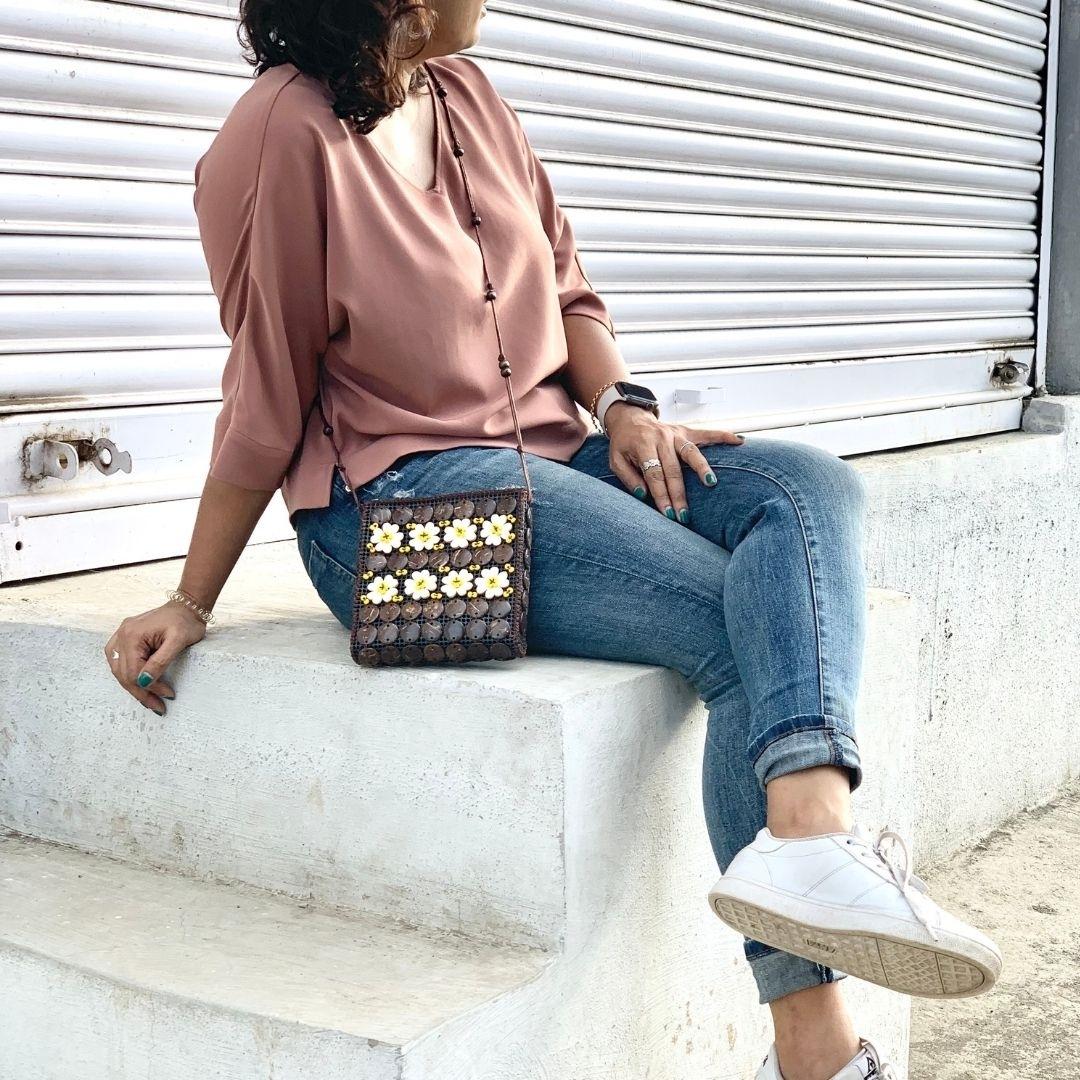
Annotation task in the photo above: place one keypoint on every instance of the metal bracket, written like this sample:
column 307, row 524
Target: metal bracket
column 1007, row 372
column 60, row 458
column 108, row 459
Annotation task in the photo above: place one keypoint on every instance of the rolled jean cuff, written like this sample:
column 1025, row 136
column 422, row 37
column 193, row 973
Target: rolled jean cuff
column 802, row 742
column 779, row 973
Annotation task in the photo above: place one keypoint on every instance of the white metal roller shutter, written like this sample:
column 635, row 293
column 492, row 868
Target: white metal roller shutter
column 808, row 216
column 108, row 327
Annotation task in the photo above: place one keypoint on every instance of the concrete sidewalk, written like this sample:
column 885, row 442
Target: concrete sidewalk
column 1019, row 885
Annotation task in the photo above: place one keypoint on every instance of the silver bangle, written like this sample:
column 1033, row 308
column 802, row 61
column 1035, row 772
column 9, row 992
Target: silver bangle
column 205, row 614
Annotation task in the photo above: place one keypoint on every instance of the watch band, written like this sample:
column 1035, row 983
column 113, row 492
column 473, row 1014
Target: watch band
column 608, row 397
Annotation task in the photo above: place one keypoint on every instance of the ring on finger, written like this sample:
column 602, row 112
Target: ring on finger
column 685, row 442
column 650, row 463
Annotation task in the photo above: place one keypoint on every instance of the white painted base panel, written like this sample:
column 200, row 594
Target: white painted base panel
column 74, row 538
column 35, row 547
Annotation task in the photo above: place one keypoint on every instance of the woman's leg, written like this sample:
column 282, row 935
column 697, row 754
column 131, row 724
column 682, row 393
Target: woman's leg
column 794, row 604
column 592, row 542
column 758, row 604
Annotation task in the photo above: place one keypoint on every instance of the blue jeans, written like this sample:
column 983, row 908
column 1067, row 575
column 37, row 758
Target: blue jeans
column 758, row 601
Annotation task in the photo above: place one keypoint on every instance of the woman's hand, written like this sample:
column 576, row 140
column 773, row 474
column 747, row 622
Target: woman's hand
column 143, row 646
column 635, row 435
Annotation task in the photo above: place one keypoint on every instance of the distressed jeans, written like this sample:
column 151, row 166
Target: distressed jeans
column 758, row 601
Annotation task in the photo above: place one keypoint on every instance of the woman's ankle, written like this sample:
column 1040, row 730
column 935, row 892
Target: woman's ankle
column 809, row 802
column 816, row 1061
column 813, row 1032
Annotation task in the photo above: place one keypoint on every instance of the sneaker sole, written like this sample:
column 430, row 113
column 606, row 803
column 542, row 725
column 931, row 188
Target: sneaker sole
column 929, row 969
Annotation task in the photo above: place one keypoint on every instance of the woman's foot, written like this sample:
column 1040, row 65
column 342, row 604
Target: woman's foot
column 837, row 899
column 867, row 1064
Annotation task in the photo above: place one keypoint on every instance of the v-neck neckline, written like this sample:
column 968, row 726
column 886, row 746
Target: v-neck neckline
column 437, row 187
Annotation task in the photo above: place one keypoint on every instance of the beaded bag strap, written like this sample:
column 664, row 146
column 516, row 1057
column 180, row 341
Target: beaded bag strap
column 489, row 295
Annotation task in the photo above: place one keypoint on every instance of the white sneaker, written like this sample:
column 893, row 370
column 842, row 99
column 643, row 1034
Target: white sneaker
column 838, row 900
column 865, row 1065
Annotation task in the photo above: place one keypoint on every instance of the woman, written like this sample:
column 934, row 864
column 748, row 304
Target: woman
column 335, row 226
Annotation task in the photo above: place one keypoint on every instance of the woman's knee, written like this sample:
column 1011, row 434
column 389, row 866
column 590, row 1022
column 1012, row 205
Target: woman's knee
column 812, row 476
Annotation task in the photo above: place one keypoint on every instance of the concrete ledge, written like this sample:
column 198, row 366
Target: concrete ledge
column 432, row 795
column 547, row 802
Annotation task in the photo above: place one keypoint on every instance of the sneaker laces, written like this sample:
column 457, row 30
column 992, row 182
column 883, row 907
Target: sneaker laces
column 882, row 1069
column 884, row 846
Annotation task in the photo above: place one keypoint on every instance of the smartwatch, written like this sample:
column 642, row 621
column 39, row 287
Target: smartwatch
column 632, row 394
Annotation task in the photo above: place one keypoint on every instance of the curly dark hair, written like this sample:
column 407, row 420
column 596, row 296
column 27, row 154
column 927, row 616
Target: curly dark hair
column 356, row 47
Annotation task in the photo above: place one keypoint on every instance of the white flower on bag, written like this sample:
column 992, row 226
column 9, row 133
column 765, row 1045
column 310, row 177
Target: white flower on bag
column 493, row 582
column 382, row 588
column 461, row 532
column 420, row 584
column 496, row 530
column 457, row 582
column 423, row 535
column 386, row 536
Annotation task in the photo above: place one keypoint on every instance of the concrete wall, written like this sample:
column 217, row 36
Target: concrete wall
column 985, row 535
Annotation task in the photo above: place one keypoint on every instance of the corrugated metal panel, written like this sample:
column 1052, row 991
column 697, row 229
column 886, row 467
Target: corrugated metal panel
column 807, row 216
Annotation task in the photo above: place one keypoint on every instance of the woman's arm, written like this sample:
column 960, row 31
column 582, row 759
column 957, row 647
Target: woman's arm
column 635, row 434
column 593, row 359
column 226, row 519
column 259, row 197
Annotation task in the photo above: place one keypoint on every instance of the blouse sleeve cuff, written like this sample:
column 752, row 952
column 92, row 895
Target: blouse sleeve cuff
column 242, row 461
column 592, row 306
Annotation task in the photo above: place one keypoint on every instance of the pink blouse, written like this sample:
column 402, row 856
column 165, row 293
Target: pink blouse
column 316, row 245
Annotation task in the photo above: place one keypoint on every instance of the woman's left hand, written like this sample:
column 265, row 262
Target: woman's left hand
column 635, row 435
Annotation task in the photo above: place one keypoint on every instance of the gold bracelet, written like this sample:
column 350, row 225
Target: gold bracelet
column 179, row 597
column 595, row 398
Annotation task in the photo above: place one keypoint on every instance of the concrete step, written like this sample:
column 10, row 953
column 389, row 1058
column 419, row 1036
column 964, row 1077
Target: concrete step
column 113, row 972
column 471, row 798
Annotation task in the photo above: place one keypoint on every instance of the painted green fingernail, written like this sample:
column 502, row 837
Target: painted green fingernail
column 145, row 679
column 639, row 492
column 684, row 515
column 670, row 511
column 710, row 479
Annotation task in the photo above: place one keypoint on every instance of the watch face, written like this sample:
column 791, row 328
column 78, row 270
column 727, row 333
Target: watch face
column 636, row 393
